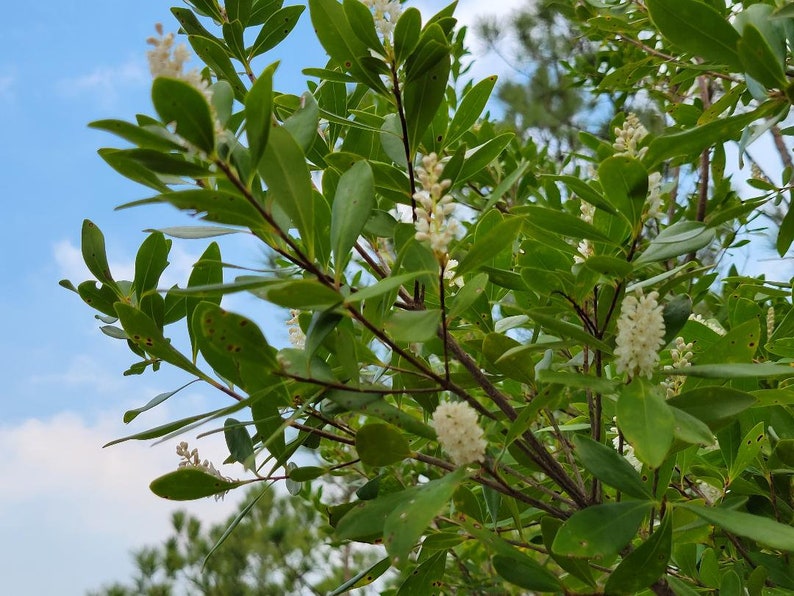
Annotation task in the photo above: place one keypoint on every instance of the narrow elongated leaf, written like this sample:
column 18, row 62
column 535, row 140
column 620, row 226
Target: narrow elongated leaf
column 363, row 578
column 278, row 25
column 239, row 444
column 761, row 529
column 216, row 205
column 150, row 262
column 646, row 420
column 235, row 335
column 585, row 192
column 406, row 33
column 625, row 183
column 141, row 136
column 94, row 256
column 130, row 415
column 180, row 102
column 749, row 448
column 492, row 243
column 381, row 445
column 553, row 220
column 385, row 285
column 259, row 115
column 353, row 203
column 289, row 183
column 413, row 325
column 609, row 466
column 525, row 573
column 681, row 238
column 739, row 370
column 689, row 429
column 214, row 55
column 189, row 483
column 713, row 405
column 471, row 106
column 698, row 28
column 478, row 158
column 303, row 294
column 759, row 59
column 645, row 564
column 406, row 524
column 195, row 232
column 600, row 531
column 372, row 404
column 427, row 574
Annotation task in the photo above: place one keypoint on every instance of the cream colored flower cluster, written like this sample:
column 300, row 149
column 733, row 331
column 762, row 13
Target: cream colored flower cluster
column 459, row 433
column 296, row 335
column 386, row 13
column 165, row 60
column 585, row 247
column 628, row 450
column 640, row 335
column 710, row 323
column 433, row 221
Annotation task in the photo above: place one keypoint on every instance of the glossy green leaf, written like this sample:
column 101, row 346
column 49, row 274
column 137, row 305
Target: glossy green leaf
column 214, row 55
column 216, row 205
column 189, row 483
column 392, row 141
column 698, row 28
column 646, row 421
column 553, row 220
column 738, row 370
column 467, row 295
column 303, row 123
column 234, row 335
column 381, row 445
column 406, row 524
column 689, row 429
column 239, row 444
column 478, row 158
column 600, row 531
column 525, row 573
column 259, row 115
column 406, row 33
column 150, row 262
column 644, row 565
column 289, row 183
column 577, row 567
column 610, row 266
column 610, row 467
column 362, row 22
column 469, row 109
column 759, row 59
column 208, row 8
column 101, row 298
column 277, row 27
column 761, row 529
column 713, row 405
column 93, row 248
column 373, row 404
column 167, row 164
column 625, row 183
column 749, row 448
column 565, row 330
column 413, row 325
column 426, row 577
column 486, row 247
column 585, row 192
column 149, row 337
column 144, row 137
column 131, row 169
column 675, row 315
column 681, row 238
column 303, row 294
column 365, row 520
column 180, row 102
column 353, row 203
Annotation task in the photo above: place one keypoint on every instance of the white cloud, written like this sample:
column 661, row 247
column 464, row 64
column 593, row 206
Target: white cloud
column 7, row 83
column 105, row 83
column 81, row 507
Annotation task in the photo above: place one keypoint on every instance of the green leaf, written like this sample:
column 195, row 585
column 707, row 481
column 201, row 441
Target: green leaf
column 365, row 520
column 384, row 286
column 93, row 249
column 427, row 575
column 469, row 109
column 478, row 158
column 289, row 183
column 585, row 192
column 373, row 404
column 486, row 247
column 467, row 295
column 131, row 415
column 363, row 24
column 259, row 115
column 759, row 59
column 217, row 205
column 689, row 429
column 143, row 137
column 143, row 332
column 644, row 565
column 646, row 420
column 392, row 141
column 188, row 484
column 235, row 522
column 600, row 531
column 195, row 232
column 409, row 520
column 239, row 443
column 131, row 169
column 625, row 183
column 214, row 55
column 363, row 578
column 610, row 467
column 101, row 298
column 234, row 335
column 681, row 238
column 558, row 222
column 749, row 448
column 675, row 315
column 277, row 27
column 713, row 405
column 761, row 529
column 698, row 28
column 406, row 33
column 525, row 573
column 565, row 329
column 180, row 102
column 381, row 445
column 302, row 124
column 610, row 266
column 413, row 325
column 168, row 164
column 303, row 294
column 150, row 262
column 738, row 370
column 353, row 203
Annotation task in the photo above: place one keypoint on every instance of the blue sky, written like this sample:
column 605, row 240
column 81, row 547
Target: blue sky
column 71, row 511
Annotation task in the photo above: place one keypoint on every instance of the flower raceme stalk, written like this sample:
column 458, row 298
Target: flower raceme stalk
column 640, row 335
column 459, row 433
column 166, row 60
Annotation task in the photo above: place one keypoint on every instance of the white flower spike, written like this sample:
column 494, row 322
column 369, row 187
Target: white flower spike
column 459, row 433
column 640, row 335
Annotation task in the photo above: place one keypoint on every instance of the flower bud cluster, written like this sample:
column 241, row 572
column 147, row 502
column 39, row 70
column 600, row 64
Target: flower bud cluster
column 681, row 356
column 585, row 247
column 190, row 458
column 296, row 335
column 433, row 221
column 165, row 60
column 628, row 136
column 710, row 323
column 770, row 321
column 386, row 13
column 627, row 450
column 459, row 433
column 640, row 335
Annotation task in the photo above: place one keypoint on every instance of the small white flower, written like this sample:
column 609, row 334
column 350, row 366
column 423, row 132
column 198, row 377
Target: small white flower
column 296, row 336
column 654, row 202
column 385, row 13
column 629, row 136
column 163, row 64
column 459, row 433
column 191, row 459
column 628, row 451
column 770, row 321
column 681, row 355
column 640, row 335
column 450, row 275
